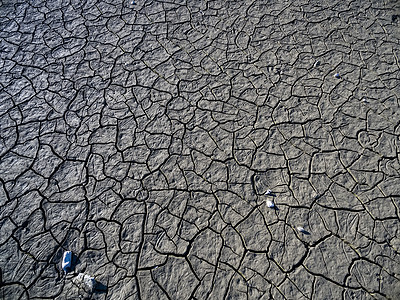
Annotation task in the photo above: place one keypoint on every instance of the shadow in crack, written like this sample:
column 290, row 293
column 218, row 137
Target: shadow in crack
column 100, row 288
column 75, row 261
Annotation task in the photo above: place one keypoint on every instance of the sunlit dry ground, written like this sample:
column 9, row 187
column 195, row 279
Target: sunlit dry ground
column 143, row 138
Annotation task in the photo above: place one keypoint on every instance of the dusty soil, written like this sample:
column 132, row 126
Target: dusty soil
column 143, row 137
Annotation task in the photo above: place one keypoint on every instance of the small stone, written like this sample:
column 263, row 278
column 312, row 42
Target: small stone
column 270, row 204
column 337, row 75
column 67, row 261
column 317, row 63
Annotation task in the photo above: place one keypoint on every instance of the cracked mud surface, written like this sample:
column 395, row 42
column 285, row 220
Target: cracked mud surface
column 143, row 138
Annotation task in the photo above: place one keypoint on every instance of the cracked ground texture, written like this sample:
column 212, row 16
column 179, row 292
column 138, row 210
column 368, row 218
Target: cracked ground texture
column 143, row 138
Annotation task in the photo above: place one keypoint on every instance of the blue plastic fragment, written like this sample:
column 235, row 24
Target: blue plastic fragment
column 67, row 261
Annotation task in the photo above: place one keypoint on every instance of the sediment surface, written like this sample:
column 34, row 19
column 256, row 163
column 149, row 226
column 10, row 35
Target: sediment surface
column 143, row 137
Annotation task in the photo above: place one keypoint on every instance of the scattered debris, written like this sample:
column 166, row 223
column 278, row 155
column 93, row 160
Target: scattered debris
column 86, row 282
column 364, row 100
column 269, row 193
column 337, row 75
column 67, row 261
column 317, row 63
column 270, row 204
column 302, row 230
column 133, row 2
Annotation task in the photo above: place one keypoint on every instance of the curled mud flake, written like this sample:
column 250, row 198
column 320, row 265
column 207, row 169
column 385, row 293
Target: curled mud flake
column 158, row 242
column 337, row 75
column 270, row 204
column 67, row 261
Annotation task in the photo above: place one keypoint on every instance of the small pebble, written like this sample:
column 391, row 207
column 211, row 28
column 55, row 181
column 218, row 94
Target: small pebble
column 270, row 204
column 337, row 75
column 268, row 192
column 317, row 63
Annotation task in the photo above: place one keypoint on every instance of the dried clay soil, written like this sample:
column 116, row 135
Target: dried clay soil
column 143, row 138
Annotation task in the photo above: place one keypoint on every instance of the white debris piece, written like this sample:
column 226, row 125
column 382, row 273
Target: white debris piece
column 301, row 229
column 270, row 204
column 337, row 75
column 268, row 192
column 67, row 261
column 317, row 63
column 86, row 281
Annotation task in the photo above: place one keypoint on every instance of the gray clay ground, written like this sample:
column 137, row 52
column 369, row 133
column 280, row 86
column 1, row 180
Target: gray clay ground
column 143, row 138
